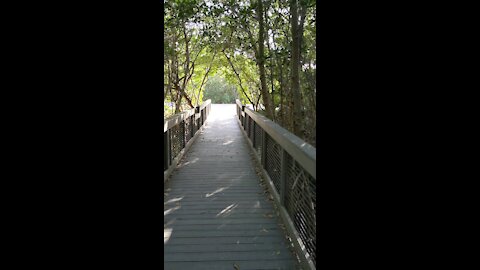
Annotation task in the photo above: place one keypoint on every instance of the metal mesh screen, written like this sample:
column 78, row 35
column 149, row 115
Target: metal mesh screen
column 177, row 139
column 258, row 139
column 301, row 203
column 272, row 161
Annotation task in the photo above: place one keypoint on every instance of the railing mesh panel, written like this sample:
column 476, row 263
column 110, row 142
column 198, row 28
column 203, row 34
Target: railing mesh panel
column 177, row 139
column 272, row 161
column 258, row 140
column 301, row 203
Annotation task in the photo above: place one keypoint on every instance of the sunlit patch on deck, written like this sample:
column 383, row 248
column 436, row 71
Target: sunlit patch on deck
column 228, row 209
column 228, row 142
column 173, row 200
column 215, row 192
column 170, row 210
column 167, row 232
column 188, row 162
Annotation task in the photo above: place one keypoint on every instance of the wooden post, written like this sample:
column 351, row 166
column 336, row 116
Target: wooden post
column 244, row 117
column 197, row 124
column 192, row 126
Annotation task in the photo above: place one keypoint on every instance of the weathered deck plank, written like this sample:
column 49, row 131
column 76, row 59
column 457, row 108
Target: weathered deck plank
column 216, row 213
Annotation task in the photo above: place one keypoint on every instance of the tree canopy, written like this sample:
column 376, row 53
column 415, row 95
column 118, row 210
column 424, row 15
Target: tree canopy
column 262, row 52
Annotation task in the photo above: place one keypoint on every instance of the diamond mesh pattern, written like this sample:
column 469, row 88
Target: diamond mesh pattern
column 301, row 203
column 272, row 161
column 177, row 139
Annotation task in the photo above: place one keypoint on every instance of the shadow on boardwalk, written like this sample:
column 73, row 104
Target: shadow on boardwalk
column 216, row 213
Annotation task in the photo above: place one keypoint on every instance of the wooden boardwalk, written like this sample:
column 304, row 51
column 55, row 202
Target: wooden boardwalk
column 216, row 213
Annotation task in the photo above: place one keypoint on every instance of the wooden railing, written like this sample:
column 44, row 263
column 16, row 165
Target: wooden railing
column 289, row 166
column 178, row 132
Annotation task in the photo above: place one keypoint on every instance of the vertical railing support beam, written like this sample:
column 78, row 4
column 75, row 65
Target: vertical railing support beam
column 244, row 117
column 197, row 123
column 192, row 126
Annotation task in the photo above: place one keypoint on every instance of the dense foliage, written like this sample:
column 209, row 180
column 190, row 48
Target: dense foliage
column 265, row 50
column 220, row 91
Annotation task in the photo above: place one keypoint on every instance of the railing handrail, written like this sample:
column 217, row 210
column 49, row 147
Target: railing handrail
column 239, row 103
column 204, row 104
column 301, row 151
column 176, row 119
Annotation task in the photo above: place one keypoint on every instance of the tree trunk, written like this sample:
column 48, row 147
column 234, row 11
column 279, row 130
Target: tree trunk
column 267, row 99
column 297, row 35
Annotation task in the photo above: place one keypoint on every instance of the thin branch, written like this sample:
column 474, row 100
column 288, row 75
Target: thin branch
column 205, row 76
column 238, row 76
